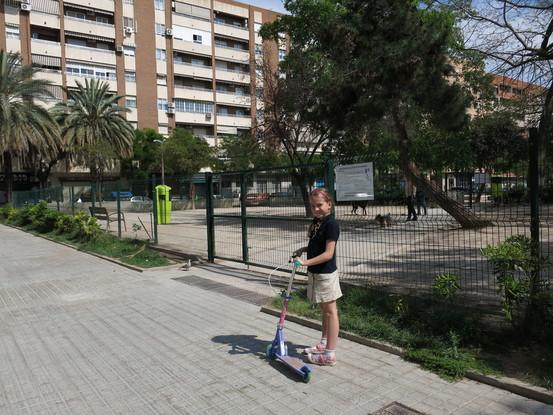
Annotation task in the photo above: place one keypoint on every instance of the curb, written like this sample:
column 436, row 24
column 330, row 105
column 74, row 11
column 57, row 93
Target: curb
column 508, row 384
column 122, row 264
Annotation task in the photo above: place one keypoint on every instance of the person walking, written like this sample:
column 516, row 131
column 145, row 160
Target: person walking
column 323, row 285
column 420, row 199
column 411, row 213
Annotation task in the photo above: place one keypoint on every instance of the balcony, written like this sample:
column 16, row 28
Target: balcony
column 237, row 55
column 45, row 47
column 234, row 121
column 86, row 54
column 50, row 75
column 73, row 24
column 72, row 79
column 44, row 19
column 232, row 31
column 189, row 92
column 191, row 70
column 185, row 21
column 233, row 99
column 194, row 48
column 107, row 5
column 193, row 118
column 232, row 76
column 161, row 67
column 13, row 45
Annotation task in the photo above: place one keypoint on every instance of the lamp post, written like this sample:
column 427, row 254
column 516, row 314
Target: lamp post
column 161, row 142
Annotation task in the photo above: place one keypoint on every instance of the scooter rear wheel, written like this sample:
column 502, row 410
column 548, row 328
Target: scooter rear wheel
column 269, row 352
column 307, row 377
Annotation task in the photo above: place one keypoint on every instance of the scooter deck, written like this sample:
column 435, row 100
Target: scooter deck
column 294, row 362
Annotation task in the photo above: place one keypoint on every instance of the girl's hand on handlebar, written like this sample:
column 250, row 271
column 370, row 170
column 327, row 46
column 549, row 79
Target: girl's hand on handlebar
column 298, row 262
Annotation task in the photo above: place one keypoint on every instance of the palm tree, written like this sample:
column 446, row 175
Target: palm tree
column 26, row 128
column 92, row 125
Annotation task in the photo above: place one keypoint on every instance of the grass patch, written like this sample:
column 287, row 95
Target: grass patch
column 446, row 340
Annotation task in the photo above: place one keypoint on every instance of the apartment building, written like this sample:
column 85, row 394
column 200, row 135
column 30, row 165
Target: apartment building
column 179, row 63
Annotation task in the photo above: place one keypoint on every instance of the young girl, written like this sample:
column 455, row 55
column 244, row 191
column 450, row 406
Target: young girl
column 323, row 284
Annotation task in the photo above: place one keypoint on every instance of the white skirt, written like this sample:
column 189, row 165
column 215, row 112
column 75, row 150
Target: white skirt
column 323, row 288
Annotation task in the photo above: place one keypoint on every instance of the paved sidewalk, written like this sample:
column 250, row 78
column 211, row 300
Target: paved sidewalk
column 79, row 335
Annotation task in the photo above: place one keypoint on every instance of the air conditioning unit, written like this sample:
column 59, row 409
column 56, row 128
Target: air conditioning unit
column 208, row 116
column 119, row 48
column 25, row 7
column 170, row 108
column 168, row 32
column 128, row 30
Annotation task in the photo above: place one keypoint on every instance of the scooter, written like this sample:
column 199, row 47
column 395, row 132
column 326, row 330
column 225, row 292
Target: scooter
column 278, row 350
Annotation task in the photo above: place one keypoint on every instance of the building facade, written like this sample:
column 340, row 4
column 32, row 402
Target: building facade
column 179, row 63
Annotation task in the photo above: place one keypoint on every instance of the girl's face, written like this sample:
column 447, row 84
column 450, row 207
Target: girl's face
column 319, row 206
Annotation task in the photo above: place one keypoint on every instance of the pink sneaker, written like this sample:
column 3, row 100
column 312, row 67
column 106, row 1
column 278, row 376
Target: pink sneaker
column 322, row 359
column 318, row 348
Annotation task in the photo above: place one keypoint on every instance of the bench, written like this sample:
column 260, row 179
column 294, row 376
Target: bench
column 101, row 213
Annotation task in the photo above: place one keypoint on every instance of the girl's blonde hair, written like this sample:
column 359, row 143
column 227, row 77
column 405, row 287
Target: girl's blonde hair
column 316, row 224
column 321, row 191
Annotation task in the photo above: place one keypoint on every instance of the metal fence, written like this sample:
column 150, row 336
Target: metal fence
column 260, row 216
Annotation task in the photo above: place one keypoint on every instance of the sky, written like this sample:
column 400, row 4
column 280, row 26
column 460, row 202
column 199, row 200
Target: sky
column 275, row 5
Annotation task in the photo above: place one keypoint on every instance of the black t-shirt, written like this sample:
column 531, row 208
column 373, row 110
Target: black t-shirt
column 327, row 231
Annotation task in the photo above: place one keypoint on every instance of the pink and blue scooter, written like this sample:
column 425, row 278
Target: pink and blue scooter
column 277, row 349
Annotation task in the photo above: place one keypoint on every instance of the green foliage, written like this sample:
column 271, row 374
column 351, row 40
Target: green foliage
column 185, row 154
column 146, row 152
column 445, row 286
column 243, row 152
column 517, row 273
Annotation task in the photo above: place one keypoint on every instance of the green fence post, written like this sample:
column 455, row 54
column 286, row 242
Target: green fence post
column 119, row 208
column 329, row 181
column 209, row 217
column 243, row 213
column 533, row 185
column 154, row 208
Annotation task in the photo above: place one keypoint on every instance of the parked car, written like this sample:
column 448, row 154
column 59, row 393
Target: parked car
column 141, row 199
column 123, row 195
column 256, row 199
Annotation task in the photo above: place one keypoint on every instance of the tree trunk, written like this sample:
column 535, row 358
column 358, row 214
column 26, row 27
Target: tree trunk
column 299, row 180
column 8, row 176
column 465, row 217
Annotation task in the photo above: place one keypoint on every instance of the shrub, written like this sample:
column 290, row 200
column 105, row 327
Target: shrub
column 445, row 286
column 64, row 225
column 86, row 227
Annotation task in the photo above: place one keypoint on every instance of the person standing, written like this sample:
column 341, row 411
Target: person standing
column 323, row 285
column 420, row 199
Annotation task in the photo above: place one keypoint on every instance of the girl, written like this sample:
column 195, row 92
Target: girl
column 323, row 284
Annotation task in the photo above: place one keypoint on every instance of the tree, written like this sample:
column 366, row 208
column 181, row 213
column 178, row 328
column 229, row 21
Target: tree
column 146, row 153
column 93, row 127
column 185, row 154
column 365, row 61
column 26, row 128
column 516, row 39
column 243, row 152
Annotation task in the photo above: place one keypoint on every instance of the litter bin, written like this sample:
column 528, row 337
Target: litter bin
column 163, row 204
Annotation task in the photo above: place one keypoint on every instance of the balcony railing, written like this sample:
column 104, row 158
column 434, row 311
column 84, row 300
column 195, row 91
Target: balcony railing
column 233, row 70
column 233, row 115
column 111, row 52
column 47, row 42
column 199, row 65
column 78, row 19
column 231, row 47
column 223, row 23
column 195, row 88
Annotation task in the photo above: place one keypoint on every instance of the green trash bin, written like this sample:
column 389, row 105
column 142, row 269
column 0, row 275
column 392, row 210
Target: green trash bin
column 163, row 204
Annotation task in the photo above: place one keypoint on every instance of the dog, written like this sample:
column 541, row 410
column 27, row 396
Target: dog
column 359, row 204
column 383, row 220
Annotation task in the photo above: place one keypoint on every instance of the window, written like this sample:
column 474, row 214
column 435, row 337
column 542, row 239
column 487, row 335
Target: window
column 239, row 90
column 75, row 41
column 128, row 22
column 222, row 110
column 159, row 4
column 131, row 102
column 102, row 19
column 128, row 1
column 240, row 112
column 197, row 38
column 91, row 71
column 105, row 46
column 160, row 29
column 129, row 50
column 130, row 76
column 12, row 32
column 281, row 54
column 162, row 104
column 161, row 79
column 258, row 50
column 185, row 105
column 75, row 14
column 161, row 55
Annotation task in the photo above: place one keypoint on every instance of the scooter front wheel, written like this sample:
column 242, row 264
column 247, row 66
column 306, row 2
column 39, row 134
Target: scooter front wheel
column 269, row 352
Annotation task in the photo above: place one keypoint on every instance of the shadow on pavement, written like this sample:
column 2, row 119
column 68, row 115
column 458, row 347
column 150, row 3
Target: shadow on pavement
column 250, row 344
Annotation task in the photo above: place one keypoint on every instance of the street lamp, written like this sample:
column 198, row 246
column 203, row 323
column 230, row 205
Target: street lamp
column 161, row 142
